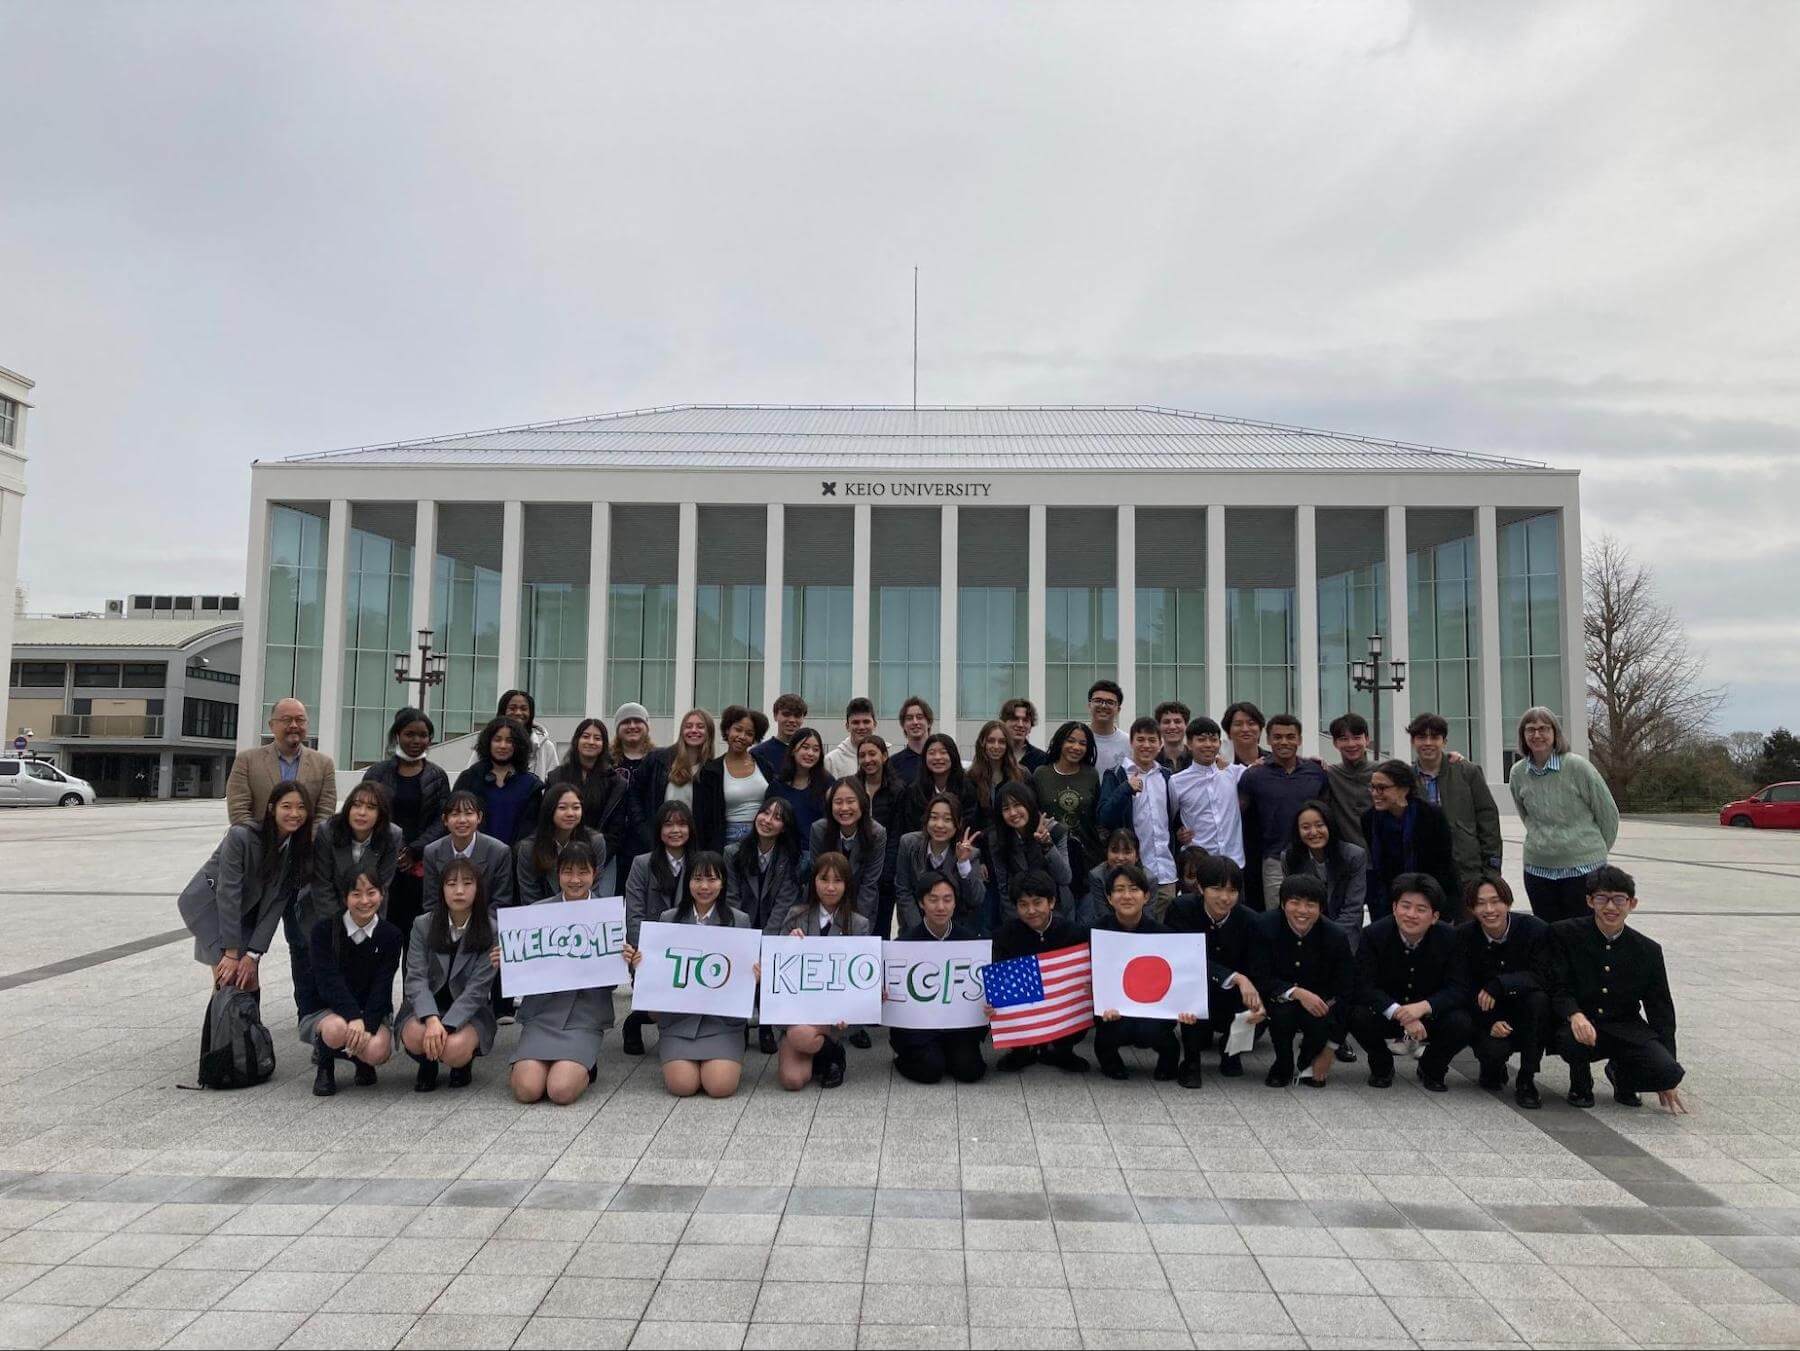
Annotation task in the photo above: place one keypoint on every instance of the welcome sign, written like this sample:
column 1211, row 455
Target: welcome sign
column 696, row 968
column 561, row 945
column 825, row 981
column 935, row 985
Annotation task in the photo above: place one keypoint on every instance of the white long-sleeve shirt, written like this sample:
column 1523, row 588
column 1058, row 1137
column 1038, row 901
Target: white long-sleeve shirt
column 1207, row 799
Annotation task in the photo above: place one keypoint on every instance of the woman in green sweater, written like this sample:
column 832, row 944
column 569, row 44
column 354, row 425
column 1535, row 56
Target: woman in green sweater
column 1570, row 818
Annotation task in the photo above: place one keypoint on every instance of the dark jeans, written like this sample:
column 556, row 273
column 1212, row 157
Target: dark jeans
column 1148, row 1034
column 1447, row 1033
column 1554, row 898
column 926, row 1057
column 1638, row 1066
column 1529, row 1015
column 1290, row 1019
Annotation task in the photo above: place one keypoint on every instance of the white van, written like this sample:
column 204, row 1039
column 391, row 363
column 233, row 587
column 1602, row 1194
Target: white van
column 37, row 783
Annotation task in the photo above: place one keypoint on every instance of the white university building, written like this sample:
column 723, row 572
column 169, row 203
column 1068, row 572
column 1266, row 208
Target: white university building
column 706, row 555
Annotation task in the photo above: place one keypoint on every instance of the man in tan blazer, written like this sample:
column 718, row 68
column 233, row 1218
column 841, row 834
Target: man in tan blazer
column 255, row 773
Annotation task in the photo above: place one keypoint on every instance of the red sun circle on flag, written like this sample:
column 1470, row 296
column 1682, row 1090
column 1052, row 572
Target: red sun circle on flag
column 1147, row 979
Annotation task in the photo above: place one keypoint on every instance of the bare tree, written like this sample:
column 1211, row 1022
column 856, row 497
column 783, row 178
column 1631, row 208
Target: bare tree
column 1745, row 750
column 1647, row 694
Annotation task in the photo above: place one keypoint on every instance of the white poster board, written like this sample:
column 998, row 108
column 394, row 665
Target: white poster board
column 935, row 985
column 561, row 945
column 824, row 981
column 1149, row 975
column 696, row 968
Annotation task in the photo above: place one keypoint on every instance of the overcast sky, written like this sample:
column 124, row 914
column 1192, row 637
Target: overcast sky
column 1564, row 231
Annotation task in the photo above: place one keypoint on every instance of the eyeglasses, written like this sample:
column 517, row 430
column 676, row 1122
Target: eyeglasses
column 1612, row 900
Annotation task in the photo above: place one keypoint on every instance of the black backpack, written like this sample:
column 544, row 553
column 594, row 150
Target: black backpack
column 236, row 1050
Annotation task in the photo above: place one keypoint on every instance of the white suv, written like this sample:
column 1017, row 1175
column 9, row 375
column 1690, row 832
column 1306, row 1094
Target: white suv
column 37, row 783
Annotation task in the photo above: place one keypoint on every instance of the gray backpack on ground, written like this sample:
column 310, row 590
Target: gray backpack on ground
column 236, row 1050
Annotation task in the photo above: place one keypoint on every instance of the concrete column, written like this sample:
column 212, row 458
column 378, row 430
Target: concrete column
column 12, row 513
column 256, row 626
column 1574, row 657
column 1491, row 749
column 1037, row 683
column 424, row 569
column 328, row 716
column 1306, row 620
column 165, row 775
column 947, row 618
column 599, row 597
column 774, row 571
column 861, row 532
column 686, row 587
column 1126, row 573
column 1399, row 643
column 1218, row 656
column 512, row 577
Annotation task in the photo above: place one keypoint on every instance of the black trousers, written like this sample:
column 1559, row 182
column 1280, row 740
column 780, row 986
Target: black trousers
column 406, row 902
column 1148, row 1034
column 1447, row 1033
column 1290, row 1019
column 1221, row 1007
column 1529, row 1016
column 1638, row 1066
column 926, row 1057
column 1554, row 898
column 293, row 929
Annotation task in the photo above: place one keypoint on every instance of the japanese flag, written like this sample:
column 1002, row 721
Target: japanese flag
column 1149, row 975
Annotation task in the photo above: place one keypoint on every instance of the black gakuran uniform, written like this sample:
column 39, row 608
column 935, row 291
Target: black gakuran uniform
column 1622, row 986
column 1388, row 972
column 1509, row 970
column 1321, row 962
column 1148, row 1034
column 926, row 1055
column 1228, row 944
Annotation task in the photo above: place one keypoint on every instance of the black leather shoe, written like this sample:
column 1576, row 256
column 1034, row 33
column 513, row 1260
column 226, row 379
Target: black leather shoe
column 1493, row 1080
column 1278, row 1077
column 1381, row 1078
column 365, row 1075
column 1017, row 1058
column 325, row 1080
column 631, row 1040
column 1346, row 1054
column 833, row 1076
column 1067, row 1061
column 1166, row 1070
column 1114, row 1069
column 1621, row 1095
column 765, row 1040
column 1433, row 1083
column 426, row 1079
column 1231, row 1066
column 462, row 1078
column 860, row 1039
column 1526, row 1095
column 1581, row 1097
column 1189, row 1077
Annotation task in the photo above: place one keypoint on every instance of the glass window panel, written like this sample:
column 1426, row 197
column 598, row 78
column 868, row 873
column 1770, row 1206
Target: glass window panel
column 1546, row 614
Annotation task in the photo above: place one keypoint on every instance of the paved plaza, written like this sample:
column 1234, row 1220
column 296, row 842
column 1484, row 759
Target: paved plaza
column 1034, row 1210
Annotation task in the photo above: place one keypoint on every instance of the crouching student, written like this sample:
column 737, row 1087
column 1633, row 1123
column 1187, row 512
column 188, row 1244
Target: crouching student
column 926, row 1055
column 1230, row 988
column 559, row 1041
column 1409, row 986
column 1503, row 955
column 1305, row 974
column 1128, row 892
column 1610, row 1000
column 354, row 957
column 700, row 1052
column 829, row 911
column 447, row 1015
column 1036, row 928
column 1121, row 849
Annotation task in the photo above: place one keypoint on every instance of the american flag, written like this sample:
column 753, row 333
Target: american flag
column 1038, row 999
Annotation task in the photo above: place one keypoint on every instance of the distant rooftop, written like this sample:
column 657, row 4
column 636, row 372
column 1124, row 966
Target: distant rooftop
column 900, row 439
column 118, row 632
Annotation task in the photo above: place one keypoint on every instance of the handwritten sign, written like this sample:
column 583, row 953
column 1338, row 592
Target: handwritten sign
column 1149, row 975
column 824, row 981
column 935, row 985
column 696, row 968
column 561, row 945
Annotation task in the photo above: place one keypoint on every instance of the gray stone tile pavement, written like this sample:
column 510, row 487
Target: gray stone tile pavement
column 1030, row 1211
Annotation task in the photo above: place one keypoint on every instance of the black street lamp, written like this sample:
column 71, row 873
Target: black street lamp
column 1366, row 676
column 431, row 668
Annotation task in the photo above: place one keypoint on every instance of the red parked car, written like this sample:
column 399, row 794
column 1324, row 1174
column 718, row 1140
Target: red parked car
column 1777, row 807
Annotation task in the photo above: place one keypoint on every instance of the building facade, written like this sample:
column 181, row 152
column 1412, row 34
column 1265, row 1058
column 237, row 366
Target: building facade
column 704, row 555
column 15, row 390
column 137, row 707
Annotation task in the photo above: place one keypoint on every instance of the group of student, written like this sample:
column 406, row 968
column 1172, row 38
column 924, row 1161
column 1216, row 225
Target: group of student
column 1328, row 892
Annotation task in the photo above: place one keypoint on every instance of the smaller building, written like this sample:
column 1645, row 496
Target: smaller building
column 137, row 707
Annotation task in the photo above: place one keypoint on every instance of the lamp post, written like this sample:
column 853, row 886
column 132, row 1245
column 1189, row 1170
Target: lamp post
column 1366, row 676
column 431, row 668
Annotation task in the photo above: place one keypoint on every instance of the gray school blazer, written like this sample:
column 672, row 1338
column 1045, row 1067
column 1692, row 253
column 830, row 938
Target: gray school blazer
column 771, row 893
column 865, row 864
column 491, row 858
column 335, row 869
column 915, row 860
column 698, row 1025
column 643, row 897
column 226, row 905
column 806, row 918
column 470, row 978
column 530, row 885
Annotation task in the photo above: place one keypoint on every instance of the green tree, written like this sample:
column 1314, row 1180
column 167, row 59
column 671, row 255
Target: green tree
column 1780, row 757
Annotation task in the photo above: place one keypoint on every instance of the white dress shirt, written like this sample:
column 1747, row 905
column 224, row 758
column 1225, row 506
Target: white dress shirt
column 1206, row 796
column 361, row 933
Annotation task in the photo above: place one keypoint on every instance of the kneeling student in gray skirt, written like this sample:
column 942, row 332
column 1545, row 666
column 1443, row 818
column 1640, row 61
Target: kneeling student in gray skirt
column 446, row 1016
column 700, row 1052
column 559, row 1040
column 354, row 958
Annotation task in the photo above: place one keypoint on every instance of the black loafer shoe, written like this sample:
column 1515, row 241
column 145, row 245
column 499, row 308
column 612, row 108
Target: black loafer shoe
column 426, row 1079
column 1346, row 1054
column 1378, row 1079
column 1433, row 1085
column 1621, row 1095
column 1190, row 1075
column 765, row 1040
column 860, row 1039
column 1017, row 1058
column 325, row 1080
column 1526, row 1095
column 833, row 1076
column 1581, row 1097
column 1231, row 1066
column 1115, row 1071
column 365, row 1075
column 1165, row 1070
column 1278, row 1078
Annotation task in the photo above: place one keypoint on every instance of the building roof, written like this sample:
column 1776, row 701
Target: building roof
column 899, row 439
column 120, row 632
